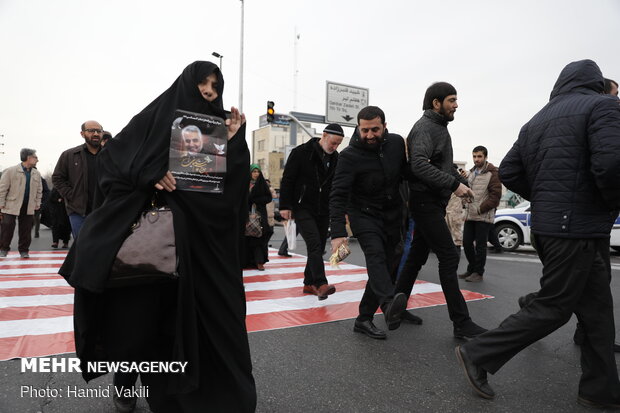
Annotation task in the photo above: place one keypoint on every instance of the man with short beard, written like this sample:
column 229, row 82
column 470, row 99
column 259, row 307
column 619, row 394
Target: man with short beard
column 192, row 139
column 75, row 175
column 435, row 179
column 480, row 214
column 366, row 188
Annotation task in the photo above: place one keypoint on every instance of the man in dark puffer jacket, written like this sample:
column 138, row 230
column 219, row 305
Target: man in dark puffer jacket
column 567, row 162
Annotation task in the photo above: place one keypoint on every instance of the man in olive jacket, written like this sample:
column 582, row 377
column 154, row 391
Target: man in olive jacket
column 20, row 196
column 566, row 161
column 304, row 196
column 366, row 188
column 484, row 181
column 75, row 175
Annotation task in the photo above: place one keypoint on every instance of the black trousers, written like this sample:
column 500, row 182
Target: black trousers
column 431, row 233
column 24, row 229
column 575, row 279
column 313, row 229
column 493, row 238
column 379, row 241
column 476, row 232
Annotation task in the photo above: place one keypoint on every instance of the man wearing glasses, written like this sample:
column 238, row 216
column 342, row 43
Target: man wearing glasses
column 20, row 196
column 75, row 175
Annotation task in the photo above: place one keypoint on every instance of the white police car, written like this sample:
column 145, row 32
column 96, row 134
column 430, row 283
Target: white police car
column 512, row 226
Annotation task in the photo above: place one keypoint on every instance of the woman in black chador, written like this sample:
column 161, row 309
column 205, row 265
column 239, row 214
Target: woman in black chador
column 259, row 197
column 199, row 319
column 61, row 227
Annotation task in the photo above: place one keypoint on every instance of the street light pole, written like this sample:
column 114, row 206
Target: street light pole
column 241, row 65
column 216, row 54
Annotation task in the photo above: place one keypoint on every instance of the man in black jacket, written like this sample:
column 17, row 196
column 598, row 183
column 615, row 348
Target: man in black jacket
column 566, row 161
column 75, row 175
column 366, row 187
column 304, row 196
column 435, row 179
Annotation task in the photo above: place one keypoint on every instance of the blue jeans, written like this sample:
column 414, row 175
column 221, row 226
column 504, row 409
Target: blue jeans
column 76, row 223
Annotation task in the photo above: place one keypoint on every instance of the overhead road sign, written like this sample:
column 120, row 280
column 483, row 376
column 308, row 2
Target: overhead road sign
column 343, row 102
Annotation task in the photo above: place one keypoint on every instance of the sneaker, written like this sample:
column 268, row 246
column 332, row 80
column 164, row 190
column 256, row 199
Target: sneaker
column 3, row 253
column 65, row 245
column 55, row 245
column 468, row 330
column 474, row 278
column 24, row 254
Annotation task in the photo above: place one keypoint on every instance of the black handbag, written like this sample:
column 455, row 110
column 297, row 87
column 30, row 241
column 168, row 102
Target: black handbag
column 148, row 255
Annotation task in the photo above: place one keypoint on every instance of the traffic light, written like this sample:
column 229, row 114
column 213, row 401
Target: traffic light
column 270, row 111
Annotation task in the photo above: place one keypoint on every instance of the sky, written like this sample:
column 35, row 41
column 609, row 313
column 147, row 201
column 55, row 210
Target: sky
column 64, row 62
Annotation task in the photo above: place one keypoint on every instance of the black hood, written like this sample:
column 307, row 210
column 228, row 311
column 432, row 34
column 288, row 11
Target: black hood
column 583, row 75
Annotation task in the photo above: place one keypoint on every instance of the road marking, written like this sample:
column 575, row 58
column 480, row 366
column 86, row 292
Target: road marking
column 37, row 304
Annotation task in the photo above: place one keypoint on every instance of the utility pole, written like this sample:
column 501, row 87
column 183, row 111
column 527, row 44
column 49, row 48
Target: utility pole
column 241, row 65
column 295, row 72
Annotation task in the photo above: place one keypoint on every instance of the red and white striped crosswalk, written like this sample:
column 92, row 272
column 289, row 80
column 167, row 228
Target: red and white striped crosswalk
column 36, row 304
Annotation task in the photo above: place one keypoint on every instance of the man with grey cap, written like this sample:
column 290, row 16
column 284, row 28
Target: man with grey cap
column 304, row 196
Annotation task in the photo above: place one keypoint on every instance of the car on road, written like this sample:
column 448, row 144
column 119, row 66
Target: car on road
column 512, row 226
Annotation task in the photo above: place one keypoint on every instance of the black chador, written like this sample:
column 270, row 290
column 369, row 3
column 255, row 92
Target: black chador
column 200, row 319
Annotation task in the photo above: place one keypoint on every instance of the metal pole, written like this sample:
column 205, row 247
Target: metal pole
column 303, row 128
column 241, row 65
column 295, row 71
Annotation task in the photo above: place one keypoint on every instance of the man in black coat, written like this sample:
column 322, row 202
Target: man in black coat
column 435, row 179
column 566, row 161
column 304, row 195
column 366, row 188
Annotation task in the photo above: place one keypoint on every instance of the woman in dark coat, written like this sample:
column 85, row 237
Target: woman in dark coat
column 259, row 196
column 201, row 318
column 59, row 220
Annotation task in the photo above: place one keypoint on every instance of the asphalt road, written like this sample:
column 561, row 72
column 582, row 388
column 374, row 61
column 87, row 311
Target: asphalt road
column 329, row 368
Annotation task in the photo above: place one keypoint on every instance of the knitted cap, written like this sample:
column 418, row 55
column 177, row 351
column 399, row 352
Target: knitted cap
column 334, row 129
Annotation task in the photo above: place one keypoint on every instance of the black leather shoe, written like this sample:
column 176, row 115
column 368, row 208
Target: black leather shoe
column 368, row 327
column 476, row 376
column 413, row 319
column 394, row 310
column 584, row 401
column 468, row 330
